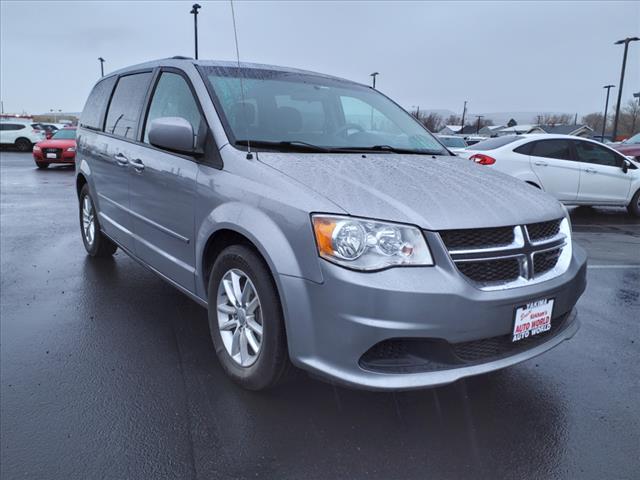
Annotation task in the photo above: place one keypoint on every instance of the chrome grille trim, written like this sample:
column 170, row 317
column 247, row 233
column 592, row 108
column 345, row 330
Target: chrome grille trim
column 524, row 250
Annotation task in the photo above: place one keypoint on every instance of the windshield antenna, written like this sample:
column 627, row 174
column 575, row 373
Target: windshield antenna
column 235, row 34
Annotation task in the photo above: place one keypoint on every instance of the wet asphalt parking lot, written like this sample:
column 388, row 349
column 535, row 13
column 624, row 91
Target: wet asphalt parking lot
column 108, row 372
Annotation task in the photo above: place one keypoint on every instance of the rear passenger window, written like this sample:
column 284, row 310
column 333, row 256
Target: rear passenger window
column 173, row 98
column 12, row 126
column 96, row 105
column 126, row 104
column 559, row 149
column 524, row 149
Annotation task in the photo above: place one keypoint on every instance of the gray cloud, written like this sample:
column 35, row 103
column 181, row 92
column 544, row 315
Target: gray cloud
column 500, row 56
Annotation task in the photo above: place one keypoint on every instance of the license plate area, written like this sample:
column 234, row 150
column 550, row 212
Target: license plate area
column 52, row 155
column 532, row 319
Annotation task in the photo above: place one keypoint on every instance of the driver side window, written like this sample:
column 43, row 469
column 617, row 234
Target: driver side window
column 588, row 152
column 173, row 98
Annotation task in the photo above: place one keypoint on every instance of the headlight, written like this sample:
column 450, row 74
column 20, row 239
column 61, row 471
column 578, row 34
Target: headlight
column 71, row 149
column 36, row 148
column 364, row 244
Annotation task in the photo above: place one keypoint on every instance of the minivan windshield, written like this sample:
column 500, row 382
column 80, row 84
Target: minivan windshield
column 284, row 111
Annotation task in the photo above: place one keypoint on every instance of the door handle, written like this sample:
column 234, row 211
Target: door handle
column 121, row 160
column 137, row 164
column 541, row 164
column 590, row 170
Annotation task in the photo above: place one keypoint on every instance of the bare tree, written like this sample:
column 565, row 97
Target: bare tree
column 553, row 119
column 432, row 121
column 629, row 118
column 593, row 120
column 453, row 120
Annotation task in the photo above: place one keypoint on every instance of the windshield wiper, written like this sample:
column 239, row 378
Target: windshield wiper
column 389, row 148
column 288, row 144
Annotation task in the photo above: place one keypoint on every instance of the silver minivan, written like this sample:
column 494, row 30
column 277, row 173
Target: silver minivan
column 322, row 226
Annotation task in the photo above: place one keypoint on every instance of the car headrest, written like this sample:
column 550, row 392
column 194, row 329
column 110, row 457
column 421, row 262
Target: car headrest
column 288, row 119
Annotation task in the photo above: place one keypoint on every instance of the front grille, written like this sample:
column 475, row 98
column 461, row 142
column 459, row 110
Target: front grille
column 414, row 355
column 57, row 151
column 543, row 230
column 545, row 261
column 503, row 257
column 490, row 271
column 477, row 238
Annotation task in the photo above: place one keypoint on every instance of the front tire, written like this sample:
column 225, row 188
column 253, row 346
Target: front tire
column 634, row 206
column 246, row 320
column 23, row 145
column 95, row 242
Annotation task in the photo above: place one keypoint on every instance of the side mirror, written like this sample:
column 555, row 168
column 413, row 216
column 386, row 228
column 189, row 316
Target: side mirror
column 174, row 134
column 625, row 165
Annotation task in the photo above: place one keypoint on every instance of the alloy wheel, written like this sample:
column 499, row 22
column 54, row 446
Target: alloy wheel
column 88, row 220
column 239, row 317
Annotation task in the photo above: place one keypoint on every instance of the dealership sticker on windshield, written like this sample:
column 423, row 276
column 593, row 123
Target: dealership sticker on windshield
column 532, row 319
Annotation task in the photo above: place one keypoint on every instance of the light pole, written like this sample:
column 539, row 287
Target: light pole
column 626, row 43
column 101, row 60
column 464, row 112
column 55, row 115
column 478, row 125
column 194, row 10
column 374, row 75
column 606, row 109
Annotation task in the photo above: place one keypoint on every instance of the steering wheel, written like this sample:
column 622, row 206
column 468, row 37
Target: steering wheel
column 346, row 127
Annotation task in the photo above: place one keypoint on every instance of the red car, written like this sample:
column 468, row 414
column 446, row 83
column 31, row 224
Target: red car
column 630, row 147
column 60, row 148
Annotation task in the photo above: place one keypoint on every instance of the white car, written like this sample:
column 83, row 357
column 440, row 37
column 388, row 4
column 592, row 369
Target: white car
column 575, row 170
column 20, row 134
column 453, row 143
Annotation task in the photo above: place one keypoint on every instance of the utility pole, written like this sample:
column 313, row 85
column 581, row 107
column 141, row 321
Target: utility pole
column 478, row 124
column 606, row 108
column 626, row 42
column 374, row 75
column 464, row 112
column 194, row 10
column 101, row 60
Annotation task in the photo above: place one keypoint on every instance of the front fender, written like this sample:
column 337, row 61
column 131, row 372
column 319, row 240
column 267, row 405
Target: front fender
column 287, row 253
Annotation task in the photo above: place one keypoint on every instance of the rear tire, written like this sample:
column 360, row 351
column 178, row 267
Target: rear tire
column 239, row 320
column 95, row 242
column 42, row 165
column 634, row 206
column 23, row 145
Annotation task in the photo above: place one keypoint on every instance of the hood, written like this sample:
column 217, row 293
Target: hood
column 66, row 143
column 631, row 149
column 435, row 193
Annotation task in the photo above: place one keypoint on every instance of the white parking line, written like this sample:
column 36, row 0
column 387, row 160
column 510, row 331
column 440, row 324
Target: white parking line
column 603, row 267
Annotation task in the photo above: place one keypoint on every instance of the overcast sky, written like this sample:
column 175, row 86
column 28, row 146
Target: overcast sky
column 500, row 56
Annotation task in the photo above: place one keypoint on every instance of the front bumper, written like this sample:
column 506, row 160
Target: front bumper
column 63, row 157
column 330, row 326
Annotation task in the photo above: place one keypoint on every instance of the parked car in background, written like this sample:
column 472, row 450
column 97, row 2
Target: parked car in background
column 575, row 170
column 472, row 140
column 48, row 128
column 61, row 148
column 20, row 134
column 630, row 147
column 452, row 142
column 361, row 251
